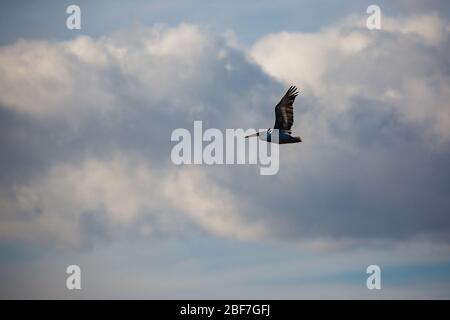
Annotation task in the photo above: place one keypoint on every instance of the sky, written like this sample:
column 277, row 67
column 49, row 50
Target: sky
column 86, row 176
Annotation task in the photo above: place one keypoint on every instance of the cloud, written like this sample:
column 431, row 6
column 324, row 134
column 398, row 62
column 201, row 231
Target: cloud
column 400, row 67
column 87, row 148
column 64, row 77
column 72, row 206
column 374, row 116
column 216, row 209
column 55, row 207
column 159, row 69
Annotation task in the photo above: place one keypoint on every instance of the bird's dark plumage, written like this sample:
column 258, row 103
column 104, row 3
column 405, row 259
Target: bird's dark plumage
column 284, row 110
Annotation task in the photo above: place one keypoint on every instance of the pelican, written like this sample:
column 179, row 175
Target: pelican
column 284, row 118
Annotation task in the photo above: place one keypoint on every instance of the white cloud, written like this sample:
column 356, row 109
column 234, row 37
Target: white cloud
column 214, row 208
column 430, row 28
column 126, row 193
column 120, row 189
column 399, row 67
column 158, row 65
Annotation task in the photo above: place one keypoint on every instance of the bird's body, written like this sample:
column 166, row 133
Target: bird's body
column 283, row 136
column 284, row 118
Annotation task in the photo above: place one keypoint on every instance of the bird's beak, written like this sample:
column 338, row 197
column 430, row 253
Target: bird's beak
column 253, row 135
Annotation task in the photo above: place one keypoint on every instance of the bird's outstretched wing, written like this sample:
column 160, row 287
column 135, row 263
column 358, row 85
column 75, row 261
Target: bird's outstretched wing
column 284, row 110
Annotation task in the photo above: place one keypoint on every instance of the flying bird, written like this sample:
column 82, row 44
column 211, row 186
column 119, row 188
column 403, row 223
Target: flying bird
column 284, row 118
